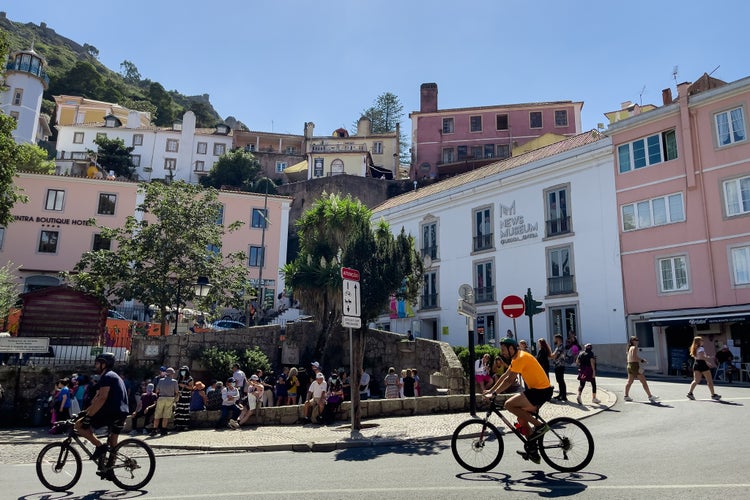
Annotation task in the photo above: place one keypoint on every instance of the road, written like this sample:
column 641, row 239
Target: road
column 676, row 449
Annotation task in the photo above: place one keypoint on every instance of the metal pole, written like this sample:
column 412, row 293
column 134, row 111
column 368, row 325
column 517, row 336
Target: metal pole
column 472, row 381
column 352, row 377
column 177, row 315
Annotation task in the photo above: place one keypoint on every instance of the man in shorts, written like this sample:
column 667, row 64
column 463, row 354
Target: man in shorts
column 524, row 404
column 109, row 407
column 169, row 393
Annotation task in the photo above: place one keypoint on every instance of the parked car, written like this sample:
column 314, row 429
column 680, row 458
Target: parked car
column 226, row 324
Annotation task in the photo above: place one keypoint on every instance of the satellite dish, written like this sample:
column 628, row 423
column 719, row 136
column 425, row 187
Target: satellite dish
column 466, row 292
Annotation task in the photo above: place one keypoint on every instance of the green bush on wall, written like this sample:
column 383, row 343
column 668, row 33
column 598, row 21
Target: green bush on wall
column 219, row 361
column 479, row 351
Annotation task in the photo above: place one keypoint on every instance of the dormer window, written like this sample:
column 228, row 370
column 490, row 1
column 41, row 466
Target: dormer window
column 177, row 125
column 111, row 121
column 222, row 129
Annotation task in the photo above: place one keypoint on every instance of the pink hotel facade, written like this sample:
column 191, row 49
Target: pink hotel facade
column 682, row 179
column 52, row 231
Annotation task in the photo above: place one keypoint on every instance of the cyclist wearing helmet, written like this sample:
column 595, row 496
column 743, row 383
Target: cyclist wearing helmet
column 538, row 390
column 109, row 407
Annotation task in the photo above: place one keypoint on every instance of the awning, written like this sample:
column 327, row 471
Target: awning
column 380, row 172
column 700, row 320
column 297, row 172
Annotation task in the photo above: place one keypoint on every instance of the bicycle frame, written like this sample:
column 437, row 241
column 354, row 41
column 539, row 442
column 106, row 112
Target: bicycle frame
column 497, row 407
column 74, row 436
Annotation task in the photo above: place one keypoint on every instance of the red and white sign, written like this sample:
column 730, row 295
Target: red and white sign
column 512, row 306
column 349, row 274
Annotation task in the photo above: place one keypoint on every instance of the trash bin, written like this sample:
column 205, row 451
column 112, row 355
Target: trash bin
column 38, row 416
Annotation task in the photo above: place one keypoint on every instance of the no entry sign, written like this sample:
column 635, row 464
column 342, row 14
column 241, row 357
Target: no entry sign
column 512, row 306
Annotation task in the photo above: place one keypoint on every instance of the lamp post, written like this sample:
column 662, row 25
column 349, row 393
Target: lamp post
column 201, row 289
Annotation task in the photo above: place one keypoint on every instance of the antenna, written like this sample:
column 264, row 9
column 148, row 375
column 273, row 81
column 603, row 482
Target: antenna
column 640, row 96
column 717, row 67
column 675, row 70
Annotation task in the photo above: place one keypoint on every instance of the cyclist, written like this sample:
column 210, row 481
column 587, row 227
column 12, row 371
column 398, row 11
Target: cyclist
column 109, row 407
column 524, row 404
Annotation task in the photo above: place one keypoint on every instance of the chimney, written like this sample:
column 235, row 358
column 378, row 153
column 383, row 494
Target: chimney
column 682, row 90
column 625, row 105
column 666, row 96
column 428, row 98
column 134, row 119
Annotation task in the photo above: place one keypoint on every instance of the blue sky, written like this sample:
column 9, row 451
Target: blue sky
column 275, row 64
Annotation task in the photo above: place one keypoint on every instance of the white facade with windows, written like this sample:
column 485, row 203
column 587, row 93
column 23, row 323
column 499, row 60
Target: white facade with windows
column 21, row 97
column 545, row 221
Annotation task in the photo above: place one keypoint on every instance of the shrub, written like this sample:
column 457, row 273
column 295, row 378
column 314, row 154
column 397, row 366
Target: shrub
column 479, row 351
column 253, row 360
column 219, row 361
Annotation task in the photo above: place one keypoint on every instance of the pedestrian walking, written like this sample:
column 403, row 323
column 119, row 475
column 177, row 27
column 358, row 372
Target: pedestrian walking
column 558, row 365
column 543, row 355
column 701, row 369
column 636, row 371
column 586, row 362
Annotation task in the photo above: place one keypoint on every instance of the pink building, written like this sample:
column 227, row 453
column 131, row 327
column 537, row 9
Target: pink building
column 683, row 196
column 446, row 142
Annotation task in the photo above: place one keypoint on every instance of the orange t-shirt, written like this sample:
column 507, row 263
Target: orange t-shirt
column 529, row 368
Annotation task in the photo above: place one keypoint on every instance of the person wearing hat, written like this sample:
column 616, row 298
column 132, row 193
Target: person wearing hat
column 230, row 410
column 198, row 398
column 168, row 392
column 145, row 408
column 316, row 396
column 315, row 368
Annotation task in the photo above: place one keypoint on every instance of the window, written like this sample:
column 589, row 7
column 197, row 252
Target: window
column 535, row 119
column 483, row 237
column 260, row 218
column 501, row 122
column 740, row 264
column 503, row 151
column 256, row 257
column 48, row 242
column 559, row 274
column 219, row 149
column 318, row 167
column 673, row 272
column 377, row 148
column 730, row 127
column 429, row 240
column 337, row 167
column 202, row 148
column 564, row 320
column 78, row 138
column 429, row 291
column 280, row 166
column 461, row 150
column 484, row 291
column 170, row 163
column 447, row 125
column 448, row 155
column 101, row 135
column 173, row 145
column 489, row 150
column 561, row 118
column 558, row 220
column 2, row 237
column 55, row 198
column 138, row 140
column 101, row 243
column 135, row 160
column 290, row 150
column 737, row 196
column 475, row 124
column 654, row 212
column 220, row 215
column 17, row 97
column 485, row 328
column 647, row 151
column 200, row 166
column 107, row 203
column 476, row 152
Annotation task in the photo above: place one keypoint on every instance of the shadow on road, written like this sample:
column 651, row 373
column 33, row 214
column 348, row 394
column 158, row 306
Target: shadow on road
column 370, row 453
column 556, row 484
column 91, row 495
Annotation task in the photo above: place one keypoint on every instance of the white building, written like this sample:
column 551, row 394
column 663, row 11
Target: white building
column 26, row 80
column 181, row 152
column 545, row 221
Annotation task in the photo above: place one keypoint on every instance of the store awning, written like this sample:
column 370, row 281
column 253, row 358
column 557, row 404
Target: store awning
column 700, row 320
column 380, row 172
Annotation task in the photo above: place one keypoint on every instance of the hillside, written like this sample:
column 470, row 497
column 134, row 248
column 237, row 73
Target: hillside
column 74, row 69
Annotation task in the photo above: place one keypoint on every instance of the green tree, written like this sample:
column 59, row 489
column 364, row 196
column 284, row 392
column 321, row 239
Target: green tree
column 237, row 168
column 130, row 72
column 8, row 291
column 164, row 103
column 158, row 254
column 336, row 233
column 83, row 79
column 138, row 105
column 32, row 158
column 385, row 113
column 112, row 154
column 203, row 114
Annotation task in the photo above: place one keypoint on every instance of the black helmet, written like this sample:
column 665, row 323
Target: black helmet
column 509, row 341
column 107, row 358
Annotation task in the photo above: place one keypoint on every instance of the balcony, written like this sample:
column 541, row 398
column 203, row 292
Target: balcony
column 430, row 251
column 486, row 294
column 556, row 227
column 338, row 148
column 483, row 242
column 428, row 301
column 561, row 285
column 33, row 68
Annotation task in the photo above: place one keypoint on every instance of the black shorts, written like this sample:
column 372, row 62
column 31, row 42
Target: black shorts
column 701, row 366
column 113, row 423
column 537, row 397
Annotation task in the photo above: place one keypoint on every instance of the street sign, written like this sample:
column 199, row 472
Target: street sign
column 466, row 309
column 24, row 344
column 351, row 322
column 349, row 274
column 351, row 298
column 512, row 306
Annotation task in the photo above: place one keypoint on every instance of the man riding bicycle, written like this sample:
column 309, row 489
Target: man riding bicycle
column 109, row 407
column 538, row 390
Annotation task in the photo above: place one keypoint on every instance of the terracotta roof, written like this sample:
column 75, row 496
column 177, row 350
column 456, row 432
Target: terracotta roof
column 492, row 169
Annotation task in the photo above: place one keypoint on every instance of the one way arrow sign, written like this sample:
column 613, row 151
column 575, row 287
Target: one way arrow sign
column 351, row 298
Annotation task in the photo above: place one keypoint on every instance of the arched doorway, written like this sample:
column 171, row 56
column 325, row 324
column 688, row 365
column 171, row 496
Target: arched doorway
column 38, row 281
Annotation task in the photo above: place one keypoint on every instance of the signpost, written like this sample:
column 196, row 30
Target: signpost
column 351, row 314
column 513, row 307
column 467, row 308
column 22, row 345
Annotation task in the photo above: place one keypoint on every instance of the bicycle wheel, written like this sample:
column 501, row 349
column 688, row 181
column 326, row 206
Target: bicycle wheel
column 134, row 464
column 58, row 466
column 568, row 445
column 477, row 445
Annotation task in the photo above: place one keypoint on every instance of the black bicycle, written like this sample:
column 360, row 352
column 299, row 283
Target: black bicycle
column 477, row 444
column 130, row 464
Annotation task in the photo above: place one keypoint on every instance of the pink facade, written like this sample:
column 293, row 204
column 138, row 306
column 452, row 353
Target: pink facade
column 446, row 142
column 684, row 219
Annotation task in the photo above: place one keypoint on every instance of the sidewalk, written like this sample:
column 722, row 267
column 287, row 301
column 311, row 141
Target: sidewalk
column 311, row 437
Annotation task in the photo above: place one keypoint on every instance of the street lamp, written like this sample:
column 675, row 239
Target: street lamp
column 201, row 289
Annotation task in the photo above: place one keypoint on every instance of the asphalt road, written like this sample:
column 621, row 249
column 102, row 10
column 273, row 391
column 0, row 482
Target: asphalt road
column 676, row 449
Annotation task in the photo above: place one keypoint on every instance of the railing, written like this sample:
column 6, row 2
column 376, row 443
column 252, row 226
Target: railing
column 35, row 69
column 430, row 251
column 338, row 148
column 561, row 285
column 558, row 226
column 483, row 242
column 64, row 355
column 486, row 294
column 429, row 301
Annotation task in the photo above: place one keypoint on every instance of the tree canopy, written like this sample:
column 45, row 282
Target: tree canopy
column 238, row 169
column 159, row 253
column 385, row 113
column 32, row 158
column 113, row 154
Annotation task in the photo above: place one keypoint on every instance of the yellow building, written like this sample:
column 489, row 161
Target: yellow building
column 76, row 110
